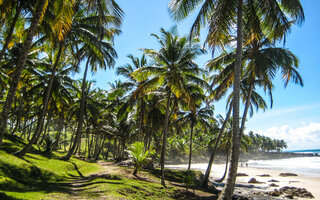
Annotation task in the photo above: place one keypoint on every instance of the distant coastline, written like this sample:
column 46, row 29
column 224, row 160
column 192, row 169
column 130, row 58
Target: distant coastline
column 315, row 151
column 244, row 157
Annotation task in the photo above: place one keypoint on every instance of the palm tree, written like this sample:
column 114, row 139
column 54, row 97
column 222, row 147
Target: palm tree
column 174, row 69
column 201, row 117
column 221, row 17
column 137, row 96
column 40, row 9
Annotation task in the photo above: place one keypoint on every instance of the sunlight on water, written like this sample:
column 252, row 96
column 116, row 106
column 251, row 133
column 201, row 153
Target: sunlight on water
column 309, row 166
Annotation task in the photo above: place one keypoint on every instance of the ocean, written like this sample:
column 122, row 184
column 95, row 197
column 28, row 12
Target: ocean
column 305, row 166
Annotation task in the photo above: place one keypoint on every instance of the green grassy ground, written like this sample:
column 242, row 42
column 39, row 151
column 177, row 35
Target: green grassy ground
column 44, row 176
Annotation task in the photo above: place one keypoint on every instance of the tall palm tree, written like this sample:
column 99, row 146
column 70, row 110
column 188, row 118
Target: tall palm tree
column 137, row 96
column 202, row 117
column 100, row 54
column 38, row 13
column 221, row 17
column 174, row 68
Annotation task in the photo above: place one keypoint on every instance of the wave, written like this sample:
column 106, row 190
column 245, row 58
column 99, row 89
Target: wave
column 308, row 166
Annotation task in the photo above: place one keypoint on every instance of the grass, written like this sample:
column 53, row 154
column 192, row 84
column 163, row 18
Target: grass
column 44, row 176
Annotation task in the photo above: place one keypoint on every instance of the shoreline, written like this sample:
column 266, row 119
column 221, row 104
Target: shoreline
column 311, row 184
column 220, row 158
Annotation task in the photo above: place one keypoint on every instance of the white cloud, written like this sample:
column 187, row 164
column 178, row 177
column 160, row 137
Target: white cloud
column 305, row 137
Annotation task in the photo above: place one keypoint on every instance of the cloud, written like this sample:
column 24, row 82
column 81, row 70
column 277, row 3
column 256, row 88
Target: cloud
column 300, row 138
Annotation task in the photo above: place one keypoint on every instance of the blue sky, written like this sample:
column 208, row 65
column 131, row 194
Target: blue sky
column 296, row 110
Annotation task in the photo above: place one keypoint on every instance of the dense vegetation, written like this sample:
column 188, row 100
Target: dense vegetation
column 167, row 100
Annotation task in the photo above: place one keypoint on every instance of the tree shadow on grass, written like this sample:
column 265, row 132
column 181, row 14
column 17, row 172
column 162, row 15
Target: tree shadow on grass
column 33, row 179
column 6, row 197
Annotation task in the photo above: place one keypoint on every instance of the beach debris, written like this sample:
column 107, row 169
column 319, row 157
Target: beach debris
column 264, row 175
column 253, row 180
column 273, row 185
column 291, row 192
column 273, row 180
column 287, row 174
column 242, row 174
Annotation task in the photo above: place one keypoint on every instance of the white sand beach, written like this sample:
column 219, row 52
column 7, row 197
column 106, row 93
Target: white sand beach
column 310, row 183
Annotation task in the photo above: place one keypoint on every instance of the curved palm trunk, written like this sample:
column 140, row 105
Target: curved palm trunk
column 40, row 122
column 9, row 36
column 39, row 12
column 80, row 116
column 225, row 169
column 245, row 112
column 190, row 150
column 205, row 179
column 228, row 189
column 164, row 140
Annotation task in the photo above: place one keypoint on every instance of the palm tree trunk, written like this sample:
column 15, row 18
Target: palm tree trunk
column 60, row 127
column 38, row 14
column 100, row 148
column 228, row 189
column 39, row 127
column 9, row 36
column 205, row 179
column 245, row 112
column 190, row 148
column 225, row 169
column 164, row 140
column 80, row 116
column 142, row 108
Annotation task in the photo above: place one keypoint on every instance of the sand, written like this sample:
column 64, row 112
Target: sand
column 312, row 184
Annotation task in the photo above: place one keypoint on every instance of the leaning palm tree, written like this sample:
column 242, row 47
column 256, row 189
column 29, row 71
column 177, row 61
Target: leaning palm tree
column 173, row 69
column 221, row 17
column 37, row 17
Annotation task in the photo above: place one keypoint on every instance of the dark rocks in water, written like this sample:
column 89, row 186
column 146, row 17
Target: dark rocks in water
column 274, row 193
column 273, row 185
column 272, row 180
column 242, row 174
column 287, row 174
column 264, row 175
column 289, row 196
column 291, row 192
column 253, row 180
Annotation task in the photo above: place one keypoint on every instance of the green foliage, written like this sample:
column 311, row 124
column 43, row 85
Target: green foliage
column 139, row 155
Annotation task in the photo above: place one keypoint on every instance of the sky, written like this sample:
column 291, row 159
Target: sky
column 295, row 115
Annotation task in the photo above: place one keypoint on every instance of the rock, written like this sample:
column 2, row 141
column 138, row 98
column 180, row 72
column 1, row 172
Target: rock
column 242, row 174
column 273, row 185
column 287, row 174
column 272, row 180
column 264, row 175
column 253, row 180
column 296, row 192
column 275, row 193
column 289, row 196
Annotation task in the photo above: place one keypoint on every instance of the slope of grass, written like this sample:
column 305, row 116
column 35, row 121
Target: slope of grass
column 37, row 173
column 44, row 176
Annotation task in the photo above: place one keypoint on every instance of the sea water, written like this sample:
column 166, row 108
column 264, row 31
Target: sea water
column 307, row 166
